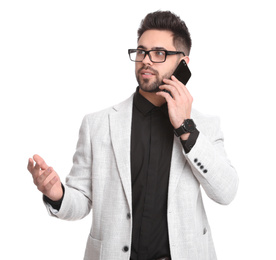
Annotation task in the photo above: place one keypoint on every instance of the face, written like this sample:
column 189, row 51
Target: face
column 150, row 75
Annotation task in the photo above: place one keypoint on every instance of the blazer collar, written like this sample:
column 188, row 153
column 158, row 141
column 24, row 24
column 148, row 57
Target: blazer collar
column 120, row 128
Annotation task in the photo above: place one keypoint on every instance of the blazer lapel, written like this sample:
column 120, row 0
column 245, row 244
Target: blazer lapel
column 120, row 128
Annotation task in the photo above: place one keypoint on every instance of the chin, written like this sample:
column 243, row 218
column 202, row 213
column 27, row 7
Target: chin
column 151, row 88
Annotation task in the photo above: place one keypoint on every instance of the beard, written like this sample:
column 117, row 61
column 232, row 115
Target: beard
column 152, row 86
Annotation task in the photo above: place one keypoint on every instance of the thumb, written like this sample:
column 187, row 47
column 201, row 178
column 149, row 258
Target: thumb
column 40, row 162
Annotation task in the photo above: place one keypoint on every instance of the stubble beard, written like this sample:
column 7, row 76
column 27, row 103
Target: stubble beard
column 149, row 87
column 153, row 87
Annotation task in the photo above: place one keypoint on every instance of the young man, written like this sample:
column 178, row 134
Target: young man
column 140, row 164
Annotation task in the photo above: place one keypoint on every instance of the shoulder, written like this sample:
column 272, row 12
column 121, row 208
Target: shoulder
column 103, row 115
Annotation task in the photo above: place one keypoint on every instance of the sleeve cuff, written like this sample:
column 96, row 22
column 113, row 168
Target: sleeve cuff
column 189, row 144
column 55, row 204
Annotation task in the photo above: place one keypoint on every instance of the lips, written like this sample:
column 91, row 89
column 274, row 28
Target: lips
column 147, row 73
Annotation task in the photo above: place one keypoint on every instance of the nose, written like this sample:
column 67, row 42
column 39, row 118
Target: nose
column 147, row 60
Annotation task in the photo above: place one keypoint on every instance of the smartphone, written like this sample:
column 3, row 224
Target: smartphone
column 182, row 73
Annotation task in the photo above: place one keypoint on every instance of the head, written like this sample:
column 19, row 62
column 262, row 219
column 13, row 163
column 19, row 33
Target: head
column 161, row 30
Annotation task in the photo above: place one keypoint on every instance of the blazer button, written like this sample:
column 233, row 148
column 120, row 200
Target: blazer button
column 125, row 248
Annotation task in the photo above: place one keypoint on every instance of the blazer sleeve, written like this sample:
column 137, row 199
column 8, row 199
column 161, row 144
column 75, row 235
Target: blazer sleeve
column 77, row 200
column 210, row 165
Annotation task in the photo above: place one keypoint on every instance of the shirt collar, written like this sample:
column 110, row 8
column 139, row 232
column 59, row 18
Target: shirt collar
column 145, row 107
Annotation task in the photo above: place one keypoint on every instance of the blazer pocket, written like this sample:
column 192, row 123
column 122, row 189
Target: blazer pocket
column 93, row 249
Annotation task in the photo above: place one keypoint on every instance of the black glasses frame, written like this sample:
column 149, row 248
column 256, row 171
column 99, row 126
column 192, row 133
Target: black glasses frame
column 148, row 53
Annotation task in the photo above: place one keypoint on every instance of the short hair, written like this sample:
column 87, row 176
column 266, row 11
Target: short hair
column 166, row 20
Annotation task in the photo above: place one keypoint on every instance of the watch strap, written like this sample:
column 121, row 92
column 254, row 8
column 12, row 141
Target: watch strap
column 183, row 130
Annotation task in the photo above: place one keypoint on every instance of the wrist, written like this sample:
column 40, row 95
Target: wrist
column 187, row 127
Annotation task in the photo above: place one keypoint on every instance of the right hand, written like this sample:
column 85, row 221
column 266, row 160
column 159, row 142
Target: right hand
column 45, row 178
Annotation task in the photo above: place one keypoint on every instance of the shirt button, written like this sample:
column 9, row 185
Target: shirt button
column 125, row 248
column 128, row 215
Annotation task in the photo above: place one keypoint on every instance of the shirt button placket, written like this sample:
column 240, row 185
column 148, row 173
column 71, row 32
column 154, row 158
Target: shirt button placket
column 125, row 249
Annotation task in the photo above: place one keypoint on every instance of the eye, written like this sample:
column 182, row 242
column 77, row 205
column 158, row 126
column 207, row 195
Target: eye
column 140, row 52
column 159, row 53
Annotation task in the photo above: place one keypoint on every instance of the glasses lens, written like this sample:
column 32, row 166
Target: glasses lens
column 136, row 55
column 158, row 56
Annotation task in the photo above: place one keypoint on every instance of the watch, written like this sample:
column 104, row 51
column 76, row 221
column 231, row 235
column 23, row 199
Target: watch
column 188, row 126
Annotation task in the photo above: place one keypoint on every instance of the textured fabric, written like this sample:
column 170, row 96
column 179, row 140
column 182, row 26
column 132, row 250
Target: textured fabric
column 100, row 179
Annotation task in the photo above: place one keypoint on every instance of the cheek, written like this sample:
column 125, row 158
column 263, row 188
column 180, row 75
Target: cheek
column 138, row 65
column 167, row 73
column 170, row 70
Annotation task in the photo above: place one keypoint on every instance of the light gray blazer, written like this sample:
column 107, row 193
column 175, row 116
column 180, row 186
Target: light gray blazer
column 101, row 179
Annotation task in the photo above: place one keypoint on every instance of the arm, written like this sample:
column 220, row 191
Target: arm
column 210, row 165
column 76, row 197
column 207, row 156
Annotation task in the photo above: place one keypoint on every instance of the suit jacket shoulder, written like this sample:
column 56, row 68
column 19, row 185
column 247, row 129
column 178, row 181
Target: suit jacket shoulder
column 98, row 117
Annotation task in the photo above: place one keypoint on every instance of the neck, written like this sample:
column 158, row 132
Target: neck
column 156, row 100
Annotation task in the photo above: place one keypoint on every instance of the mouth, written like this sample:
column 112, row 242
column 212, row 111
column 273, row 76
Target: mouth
column 147, row 74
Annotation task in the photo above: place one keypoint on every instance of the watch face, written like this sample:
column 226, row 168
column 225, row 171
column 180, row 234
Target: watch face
column 189, row 125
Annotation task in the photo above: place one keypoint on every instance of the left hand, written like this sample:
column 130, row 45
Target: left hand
column 180, row 105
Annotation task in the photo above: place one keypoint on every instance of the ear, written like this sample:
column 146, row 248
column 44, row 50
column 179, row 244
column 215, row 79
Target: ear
column 186, row 58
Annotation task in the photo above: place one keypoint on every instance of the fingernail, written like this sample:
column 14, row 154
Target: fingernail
column 49, row 170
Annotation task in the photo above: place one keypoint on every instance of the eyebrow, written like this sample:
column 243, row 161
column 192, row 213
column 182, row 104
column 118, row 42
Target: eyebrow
column 154, row 48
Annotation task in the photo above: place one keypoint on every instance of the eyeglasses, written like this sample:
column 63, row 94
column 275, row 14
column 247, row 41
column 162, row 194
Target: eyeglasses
column 156, row 56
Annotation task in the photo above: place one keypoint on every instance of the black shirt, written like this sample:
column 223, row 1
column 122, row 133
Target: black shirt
column 151, row 149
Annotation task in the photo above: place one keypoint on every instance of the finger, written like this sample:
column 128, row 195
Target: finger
column 170, row 88
column 34, row 170
column 40, row 162
column 39, row 180
column 175, row 84
column 184, row 93
column 181, row 87
column 51, row 183
column 30, row 165
column 165, row 94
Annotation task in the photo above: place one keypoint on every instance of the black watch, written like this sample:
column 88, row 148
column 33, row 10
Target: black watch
column 188, row 126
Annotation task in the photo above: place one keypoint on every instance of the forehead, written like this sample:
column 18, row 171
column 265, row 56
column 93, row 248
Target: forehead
column 151, row 39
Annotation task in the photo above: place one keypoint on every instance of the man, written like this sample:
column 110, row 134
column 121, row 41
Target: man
column 140, row 164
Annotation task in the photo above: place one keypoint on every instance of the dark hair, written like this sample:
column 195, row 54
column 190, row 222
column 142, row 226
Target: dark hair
column 166, row 20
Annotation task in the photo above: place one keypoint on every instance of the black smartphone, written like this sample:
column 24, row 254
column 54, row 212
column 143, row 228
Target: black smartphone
column 182, row 73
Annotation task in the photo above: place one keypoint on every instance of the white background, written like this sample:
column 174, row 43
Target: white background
column 60, row 60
